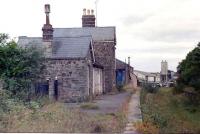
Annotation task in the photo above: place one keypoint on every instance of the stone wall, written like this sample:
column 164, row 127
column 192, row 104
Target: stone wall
column 72, row 76
column 105, row 55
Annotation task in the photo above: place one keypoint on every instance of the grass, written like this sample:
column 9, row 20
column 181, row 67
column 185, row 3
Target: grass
column 170, row 113
column 56, row 117
column 42, row 115
column 91, row 106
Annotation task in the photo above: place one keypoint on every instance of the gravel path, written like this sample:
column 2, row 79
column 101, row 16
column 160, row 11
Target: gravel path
column 134, row 113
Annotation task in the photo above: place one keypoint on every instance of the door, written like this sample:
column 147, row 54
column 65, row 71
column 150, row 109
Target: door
column 56, row 89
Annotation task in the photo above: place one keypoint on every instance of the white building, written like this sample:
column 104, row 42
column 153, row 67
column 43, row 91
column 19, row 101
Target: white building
column 147, row 76
column 164, row 71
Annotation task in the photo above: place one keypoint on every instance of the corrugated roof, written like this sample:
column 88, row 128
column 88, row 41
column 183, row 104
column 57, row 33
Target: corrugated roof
column 97, row 33
column 63, row 47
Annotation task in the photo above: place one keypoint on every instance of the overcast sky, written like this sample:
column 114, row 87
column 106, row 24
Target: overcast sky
column 148, row 31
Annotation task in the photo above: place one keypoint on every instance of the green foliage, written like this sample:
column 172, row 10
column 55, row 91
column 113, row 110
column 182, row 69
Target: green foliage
column 150, row 87
column 189, row 69
column 19, row 67
column 171, row 113
column 3, row 38
column 159, row 120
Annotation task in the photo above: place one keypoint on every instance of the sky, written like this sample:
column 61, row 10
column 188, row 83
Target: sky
column 148, row 31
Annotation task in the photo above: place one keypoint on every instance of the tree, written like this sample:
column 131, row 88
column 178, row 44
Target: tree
column 19, row 67
column 189, row 69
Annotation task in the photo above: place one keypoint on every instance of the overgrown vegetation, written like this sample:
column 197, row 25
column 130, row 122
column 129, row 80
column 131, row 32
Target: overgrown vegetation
column 189, row 71
column 150, row 87
column 169, row 113
column 19, row 68
column 42, row 115
column 55, row 117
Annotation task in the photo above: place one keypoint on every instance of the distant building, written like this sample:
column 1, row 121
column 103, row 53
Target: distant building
column 164, row 71
column 125, row 73
column 147, row 77
column 166, row 75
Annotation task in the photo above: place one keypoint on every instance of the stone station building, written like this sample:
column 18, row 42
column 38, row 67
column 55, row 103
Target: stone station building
column 80, row 62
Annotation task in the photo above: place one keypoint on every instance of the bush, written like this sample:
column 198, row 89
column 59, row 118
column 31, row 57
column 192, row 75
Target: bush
column 189, row 69
column 19, row 67
column 178, row 88
column 150, row 87
column 159, row 120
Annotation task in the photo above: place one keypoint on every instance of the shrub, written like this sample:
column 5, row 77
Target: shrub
column 150, row 87
column 19, row 67
column 178, row 88
column 189, row 69
column 158, row 120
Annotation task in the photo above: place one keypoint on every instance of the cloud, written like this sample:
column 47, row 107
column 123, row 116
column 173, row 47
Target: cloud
column 177, row 21
column 169, row 32
column 159, row 50
column 134, row 19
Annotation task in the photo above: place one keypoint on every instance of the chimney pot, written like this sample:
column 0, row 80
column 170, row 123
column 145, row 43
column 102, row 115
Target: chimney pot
column 84, row 11
column 92, row 12
column 88, row 12
column 88, row 18
column 47, row 8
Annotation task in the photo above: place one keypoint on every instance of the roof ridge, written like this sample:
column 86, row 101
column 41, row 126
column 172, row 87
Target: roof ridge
column 84, row 36
column 84, row 27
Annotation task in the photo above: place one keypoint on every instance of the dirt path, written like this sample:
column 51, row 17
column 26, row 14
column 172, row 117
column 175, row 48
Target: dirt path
column 109, row 103
column 134, row 113
column 106, row 103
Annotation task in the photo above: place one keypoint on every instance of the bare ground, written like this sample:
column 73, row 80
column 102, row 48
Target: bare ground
column 107, row 104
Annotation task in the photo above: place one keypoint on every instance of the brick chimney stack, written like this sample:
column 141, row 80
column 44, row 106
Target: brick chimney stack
column 88, row 18
column 47, row 28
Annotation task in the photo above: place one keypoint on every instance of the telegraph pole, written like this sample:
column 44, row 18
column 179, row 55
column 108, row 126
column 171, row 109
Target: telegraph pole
column 96, row 2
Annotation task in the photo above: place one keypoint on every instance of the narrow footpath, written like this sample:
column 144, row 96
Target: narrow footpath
column 134, row 113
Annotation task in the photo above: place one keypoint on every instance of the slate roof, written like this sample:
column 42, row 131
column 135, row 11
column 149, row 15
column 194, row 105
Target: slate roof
column 97, row 33
column 25, row 41
column 63, row 47
column 71, row 47
column 120, row 64
column 72, row 42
